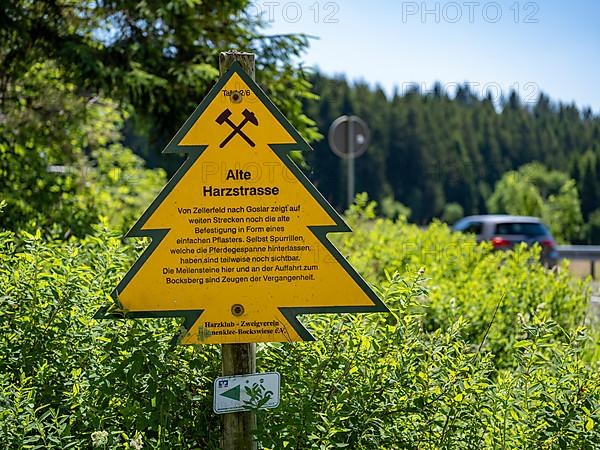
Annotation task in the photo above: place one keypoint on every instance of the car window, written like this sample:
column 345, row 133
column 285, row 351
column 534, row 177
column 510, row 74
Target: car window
column 470, row 227
column 522, row 228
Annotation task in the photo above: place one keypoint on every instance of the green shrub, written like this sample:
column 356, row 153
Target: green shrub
column 481, row 351
column 533, row 190
column 378, row 383
column 453, row 212
column 62, row 161
column 465, row 279
column 64, row 376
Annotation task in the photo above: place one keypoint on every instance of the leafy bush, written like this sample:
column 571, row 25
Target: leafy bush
column 64, row 376
column 62, row 163
column 393, row 209
column 533, row 190
column 373, row 384
column 481, row 350
column 453, row 212
column 466, row 279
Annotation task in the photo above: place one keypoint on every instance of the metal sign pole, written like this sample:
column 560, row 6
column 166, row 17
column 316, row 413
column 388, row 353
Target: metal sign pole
column 238, row 359
column 348, row 138
column 351, row 174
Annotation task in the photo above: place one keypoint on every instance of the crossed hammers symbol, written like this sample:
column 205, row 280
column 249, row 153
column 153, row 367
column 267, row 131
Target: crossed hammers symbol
column 237, row 129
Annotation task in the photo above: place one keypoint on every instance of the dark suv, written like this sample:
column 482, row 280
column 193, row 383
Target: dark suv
column 504, row 231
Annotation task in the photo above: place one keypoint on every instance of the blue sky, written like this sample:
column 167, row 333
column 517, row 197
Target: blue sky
column 550, row 46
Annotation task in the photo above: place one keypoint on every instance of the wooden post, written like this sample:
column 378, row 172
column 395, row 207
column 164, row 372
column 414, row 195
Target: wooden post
column 238, row 359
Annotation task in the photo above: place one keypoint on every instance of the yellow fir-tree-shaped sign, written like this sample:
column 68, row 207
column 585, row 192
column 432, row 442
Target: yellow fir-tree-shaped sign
column 239, row 234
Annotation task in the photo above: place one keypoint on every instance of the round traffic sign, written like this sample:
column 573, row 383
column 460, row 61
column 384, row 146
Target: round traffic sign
column 349, row 137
